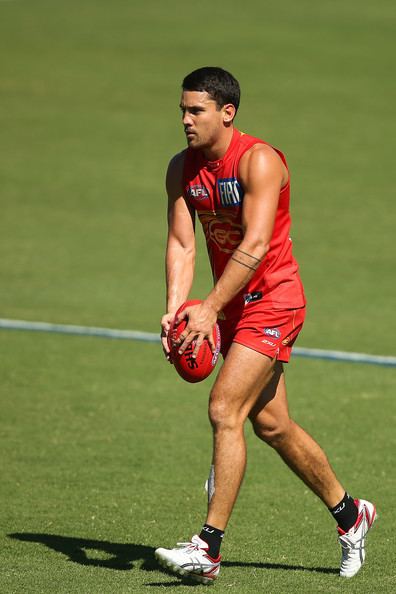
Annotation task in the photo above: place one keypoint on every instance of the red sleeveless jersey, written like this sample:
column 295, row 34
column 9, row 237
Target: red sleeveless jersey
column 215, row 191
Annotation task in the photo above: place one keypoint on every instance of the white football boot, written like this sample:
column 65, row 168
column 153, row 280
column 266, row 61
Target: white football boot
column 352, row 542
column 191, row 559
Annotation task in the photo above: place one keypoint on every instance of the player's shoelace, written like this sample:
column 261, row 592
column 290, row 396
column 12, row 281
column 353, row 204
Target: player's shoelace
column 189, row 546
column 348, row 544
column 196, row 563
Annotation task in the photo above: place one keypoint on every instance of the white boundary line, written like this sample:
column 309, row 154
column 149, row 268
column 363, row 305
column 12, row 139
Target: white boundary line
column 79, row 330
column 344, row 356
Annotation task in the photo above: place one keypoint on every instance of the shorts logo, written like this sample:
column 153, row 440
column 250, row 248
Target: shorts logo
column 197, row 192
column 286, row 341
column 230, row 191
column 265, row 341
column 272, row 332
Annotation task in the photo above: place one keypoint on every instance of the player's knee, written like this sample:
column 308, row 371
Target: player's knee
column 221, row 415
column 275, row 433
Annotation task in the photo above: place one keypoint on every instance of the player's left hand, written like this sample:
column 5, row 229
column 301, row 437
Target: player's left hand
column 166, row 322
column 201, row 321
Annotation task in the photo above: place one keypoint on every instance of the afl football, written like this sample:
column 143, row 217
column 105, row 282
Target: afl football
column 189, row 368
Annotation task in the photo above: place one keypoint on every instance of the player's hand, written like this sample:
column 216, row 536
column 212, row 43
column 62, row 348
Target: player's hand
column 166, row 322
column 201, row 321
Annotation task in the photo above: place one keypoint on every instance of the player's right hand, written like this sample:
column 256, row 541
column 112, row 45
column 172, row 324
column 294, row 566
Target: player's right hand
column 166, row 322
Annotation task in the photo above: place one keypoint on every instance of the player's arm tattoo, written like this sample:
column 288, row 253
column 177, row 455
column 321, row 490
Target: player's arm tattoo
column 252, row 262
column 243, row 263
column 249, row 255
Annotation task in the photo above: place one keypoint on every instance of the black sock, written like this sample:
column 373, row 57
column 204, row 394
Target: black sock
column 212, row 536
column 345, row 512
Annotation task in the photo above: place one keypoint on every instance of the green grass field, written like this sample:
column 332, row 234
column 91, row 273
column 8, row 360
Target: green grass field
column 104, row 450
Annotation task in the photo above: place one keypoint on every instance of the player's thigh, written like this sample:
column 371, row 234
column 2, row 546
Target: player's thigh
column 270, row 412
column 241, row 380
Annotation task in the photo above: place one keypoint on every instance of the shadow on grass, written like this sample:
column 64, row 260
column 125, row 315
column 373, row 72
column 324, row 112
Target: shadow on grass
column 283, row 566
column 97, row 553
column 121, row 556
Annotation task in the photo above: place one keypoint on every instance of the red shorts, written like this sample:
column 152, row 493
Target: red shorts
column 271, row 332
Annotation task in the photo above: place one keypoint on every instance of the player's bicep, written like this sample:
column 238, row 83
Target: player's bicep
column 262, row 177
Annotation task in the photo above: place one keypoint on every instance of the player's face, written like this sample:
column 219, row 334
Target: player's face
column 203, row 120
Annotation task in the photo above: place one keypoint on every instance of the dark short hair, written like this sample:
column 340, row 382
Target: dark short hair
column 220, row 85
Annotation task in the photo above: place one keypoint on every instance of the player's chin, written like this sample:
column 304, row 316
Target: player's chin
column 193, row 141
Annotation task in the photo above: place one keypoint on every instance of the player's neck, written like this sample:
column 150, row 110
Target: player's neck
column 220, row 147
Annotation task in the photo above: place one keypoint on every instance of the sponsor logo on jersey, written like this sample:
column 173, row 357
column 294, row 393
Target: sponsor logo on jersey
column 274, row 332
column 265, row 341
column 198, row 192
column 249, row 297
column 221, row 230
column 230, row 191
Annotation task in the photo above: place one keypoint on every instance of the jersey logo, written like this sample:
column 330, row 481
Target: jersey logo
column 222, row 231
column 198, row 192
column 249, row 297
column 230, row 191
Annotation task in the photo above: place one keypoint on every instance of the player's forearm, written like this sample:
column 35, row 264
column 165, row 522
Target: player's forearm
column 240, row 268
column 179, row 276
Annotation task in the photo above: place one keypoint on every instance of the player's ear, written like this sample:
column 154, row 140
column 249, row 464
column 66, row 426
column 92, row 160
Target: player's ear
column 229, row 112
